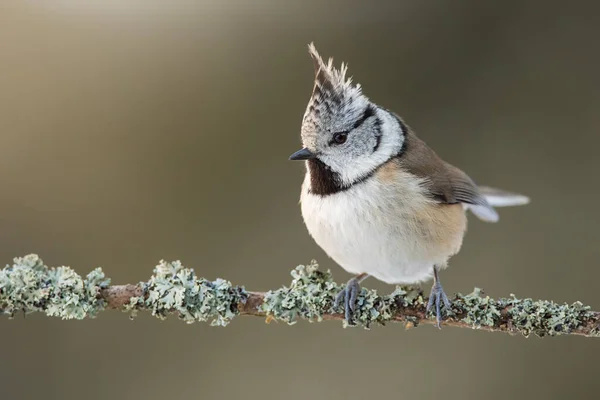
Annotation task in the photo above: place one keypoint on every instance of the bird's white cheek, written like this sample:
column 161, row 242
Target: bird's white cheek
column 358, row 168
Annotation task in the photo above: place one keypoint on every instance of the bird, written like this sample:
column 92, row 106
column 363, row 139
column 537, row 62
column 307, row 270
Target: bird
column 376, row 198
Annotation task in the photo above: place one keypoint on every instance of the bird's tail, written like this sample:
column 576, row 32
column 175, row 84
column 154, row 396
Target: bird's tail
column 501, row 198
column 495, row 198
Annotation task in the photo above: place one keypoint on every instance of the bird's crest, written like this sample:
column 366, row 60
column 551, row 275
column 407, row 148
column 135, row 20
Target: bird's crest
column 330, row 83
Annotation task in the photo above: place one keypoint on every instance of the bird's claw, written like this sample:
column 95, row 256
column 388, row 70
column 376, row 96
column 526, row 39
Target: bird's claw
column 349, row 295
column 438, row 296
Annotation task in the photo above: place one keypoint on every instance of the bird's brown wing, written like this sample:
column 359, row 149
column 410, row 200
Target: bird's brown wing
column 446, row 183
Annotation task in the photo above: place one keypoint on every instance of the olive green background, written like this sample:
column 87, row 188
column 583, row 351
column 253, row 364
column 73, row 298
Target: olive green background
column 132, row 131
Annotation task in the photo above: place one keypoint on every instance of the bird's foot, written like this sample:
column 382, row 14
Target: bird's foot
column 349, row 295
column 438, row 296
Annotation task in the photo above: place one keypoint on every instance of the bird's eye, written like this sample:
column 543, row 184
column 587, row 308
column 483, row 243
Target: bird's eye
column 340, row 138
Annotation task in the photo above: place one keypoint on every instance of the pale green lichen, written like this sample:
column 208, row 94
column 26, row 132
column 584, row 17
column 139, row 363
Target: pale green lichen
column 174, row 288
column 312, row 292
column 477, row 309
column 309, row 296
column 526, row 316
column 28, row 286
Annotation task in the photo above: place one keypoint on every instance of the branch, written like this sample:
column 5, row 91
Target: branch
column 30, row 286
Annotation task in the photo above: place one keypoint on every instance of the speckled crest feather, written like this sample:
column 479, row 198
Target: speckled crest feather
column 327, row 73
column 331, row 83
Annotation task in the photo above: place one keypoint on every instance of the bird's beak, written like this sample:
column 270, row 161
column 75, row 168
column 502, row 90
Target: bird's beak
column 303, row 154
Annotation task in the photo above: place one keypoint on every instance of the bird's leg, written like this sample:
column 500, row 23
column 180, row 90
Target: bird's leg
column 438, row 296
column 349, row 294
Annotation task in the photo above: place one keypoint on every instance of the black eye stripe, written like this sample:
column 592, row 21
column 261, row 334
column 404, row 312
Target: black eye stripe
column 377, row 143
column 369, row 112
column 378, row 135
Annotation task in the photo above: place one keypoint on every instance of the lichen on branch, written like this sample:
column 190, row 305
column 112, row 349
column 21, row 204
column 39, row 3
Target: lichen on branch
column 312, row 292
column 28, row 285
column 175, row 289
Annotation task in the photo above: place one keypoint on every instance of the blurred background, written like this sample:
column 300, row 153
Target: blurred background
column 135, row 131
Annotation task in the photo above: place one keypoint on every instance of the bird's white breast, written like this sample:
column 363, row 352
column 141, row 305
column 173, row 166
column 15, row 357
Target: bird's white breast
column 385, row 227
